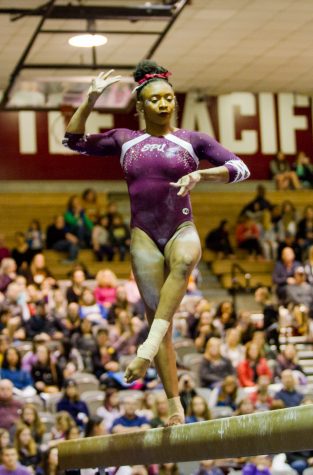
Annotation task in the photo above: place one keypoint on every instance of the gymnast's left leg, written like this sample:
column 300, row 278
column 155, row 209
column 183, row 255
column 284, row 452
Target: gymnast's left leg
column 181, row 254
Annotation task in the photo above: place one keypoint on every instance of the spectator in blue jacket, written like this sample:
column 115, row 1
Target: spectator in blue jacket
column 71, row 403
column 288, row 394
column 129, row 421
column 11, row 369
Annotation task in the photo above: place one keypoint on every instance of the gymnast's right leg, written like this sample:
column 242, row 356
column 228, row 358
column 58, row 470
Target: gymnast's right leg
column 149, row 270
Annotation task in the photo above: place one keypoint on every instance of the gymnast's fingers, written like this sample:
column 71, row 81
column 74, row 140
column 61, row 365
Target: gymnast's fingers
column 175, row 185
column 106, row 75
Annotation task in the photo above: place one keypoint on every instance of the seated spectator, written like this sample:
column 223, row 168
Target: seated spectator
column 35, row 237
column 225, row 316
column 9, row 407
column 57, row 304
column 167, row 469
column 232, row 349
column 289, row 241
column 288, row 394
column 71, row 323
column 186, row 388
column 259, row 465
column 227, row 394
column 308, row 267
column 45, row 372
column 270, row 315
column 208, row 467
column 218, row 241
column 10, row 464
column 283, row 273
column 288, row 359
column 7, row 273
column 245, row 326
column 105, row 292
column 73, row 293
column 101, row 239
column 247, row 236
column 160, row 411
column 41, row 323
column 304, row 170
column 90, row 309
column 253, row 366
column 95, row 427
column 21, row 253
column 120, row 236
column 305, row 230
column 78, row 222
column 104, row 359
column 86, row 342
column 4, row 440
column 30, row 418
column 205, row 330
column 128, row 342
column 261, row 398
column 129, row 421
column 63, row 423
column 50, row 463
column 131, row 290
column 110, row 409
column 281, row 172
column 60, row 239
column 214, row 367
column 245, row 407
column 300, row 292
column 11, row 370
column 4, row 250
column 38, row 271
column 27, row 450
column 71, row 403
column 198, row 410
column 90, row 204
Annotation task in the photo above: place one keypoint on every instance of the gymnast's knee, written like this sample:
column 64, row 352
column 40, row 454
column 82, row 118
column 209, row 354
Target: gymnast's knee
column 184, row 263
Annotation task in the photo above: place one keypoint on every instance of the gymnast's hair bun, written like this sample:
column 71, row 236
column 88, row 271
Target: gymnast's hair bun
column 147, row 67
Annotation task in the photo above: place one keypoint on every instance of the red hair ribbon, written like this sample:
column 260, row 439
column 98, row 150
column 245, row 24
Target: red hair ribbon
column 156, row 75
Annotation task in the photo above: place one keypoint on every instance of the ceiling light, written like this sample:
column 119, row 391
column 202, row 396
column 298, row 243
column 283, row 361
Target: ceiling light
column 87, row 40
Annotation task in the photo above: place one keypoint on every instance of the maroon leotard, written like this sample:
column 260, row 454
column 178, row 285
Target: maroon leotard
column 150, row 163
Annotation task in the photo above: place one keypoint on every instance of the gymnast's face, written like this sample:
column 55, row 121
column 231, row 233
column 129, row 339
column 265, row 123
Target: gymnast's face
column 157, row 102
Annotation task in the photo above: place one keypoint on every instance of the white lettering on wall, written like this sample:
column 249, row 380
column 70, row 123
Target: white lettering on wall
column 248, row 143
column 27, row 132
column 289, row 122
column 268, row 134
column 196, row 115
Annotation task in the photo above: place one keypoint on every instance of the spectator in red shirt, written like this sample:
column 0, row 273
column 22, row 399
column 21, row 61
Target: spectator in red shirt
column 261, row 398
column 253, row 366
column 247, row 236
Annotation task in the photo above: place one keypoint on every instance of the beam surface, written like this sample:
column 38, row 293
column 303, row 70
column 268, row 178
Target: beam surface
column 284, row 430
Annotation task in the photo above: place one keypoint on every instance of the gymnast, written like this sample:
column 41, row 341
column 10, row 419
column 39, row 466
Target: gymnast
column 160, row 166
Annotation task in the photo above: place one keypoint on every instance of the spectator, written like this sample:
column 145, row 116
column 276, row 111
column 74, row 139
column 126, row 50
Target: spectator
column 288, row 359
column 129, row 421
column 247, row 236
column 95, row 427
column 289, row 241
column 30, row 418
column 308, row 267
column 71, row 403
column 38, row 271
column 4, row 250
column 11, row 370
column 9, row 407
column 91, row 205
column 208, row 467
column 10, row 464
column 90, row 309
column 7, row 273
column 227, row 394
column 74, row 292
column 78, row 222
column 281, row 172
column 304, row 170
column 270, row 315
column 45, row 372
column 261, row 398
column 101, row 239
column 260, row 202
column 287, row 224
column 86, row 342
column 186, row 388
column 305, row 230
column 105, row 292
column 40, row 323
column 169, row 469
column 28, row 452
column 214, row 367
column 259, row 465
column 160, row 411
column 288, row 394
column 50, row 465
column 4, row 440
column 112, row 211
column 300, row 292
column 120, row 236
column 63, row 423
column 110, row 409
column 218, row 240
column 253, row 366
column 21, row 253
column 225, row 316
column 198, row 410
column 232, row 349
column 60, row 239
column 245, row 407
column 205, row 330
column 35, row 237
column 283, row 273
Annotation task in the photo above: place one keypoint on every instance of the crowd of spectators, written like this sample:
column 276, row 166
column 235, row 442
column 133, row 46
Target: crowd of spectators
column 53, row 334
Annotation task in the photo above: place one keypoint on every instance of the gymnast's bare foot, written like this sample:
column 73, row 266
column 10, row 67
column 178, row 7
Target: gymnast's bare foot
column 175, row 420
column 136, row 369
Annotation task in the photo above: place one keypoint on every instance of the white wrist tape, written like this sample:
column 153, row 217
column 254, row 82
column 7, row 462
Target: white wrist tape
column 175, row 407
column 151, row 346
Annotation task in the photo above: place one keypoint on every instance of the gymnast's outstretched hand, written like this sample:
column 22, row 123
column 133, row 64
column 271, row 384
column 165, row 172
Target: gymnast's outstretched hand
column 186, row 183
column 136, row 369
column 100, row 83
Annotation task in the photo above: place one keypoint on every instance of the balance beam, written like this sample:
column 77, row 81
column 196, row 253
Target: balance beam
column 283, row 430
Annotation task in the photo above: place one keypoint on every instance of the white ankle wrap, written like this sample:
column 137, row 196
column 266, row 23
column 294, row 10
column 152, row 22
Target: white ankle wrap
column 157, row 332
